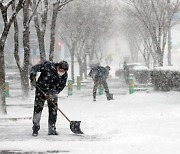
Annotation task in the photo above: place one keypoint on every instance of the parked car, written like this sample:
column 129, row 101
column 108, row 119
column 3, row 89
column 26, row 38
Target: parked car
column 141, row 72
column 119, row 72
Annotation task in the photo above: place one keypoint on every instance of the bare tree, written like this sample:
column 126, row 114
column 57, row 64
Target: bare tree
column 72, row 30
column 138, row 38
column 172, row 9
column 57, row 6
column 156, row 18
column 24, row 71
column 101, row 18
column 23, row 65
column 82, row 29
column 40, row 20
column 8, row 21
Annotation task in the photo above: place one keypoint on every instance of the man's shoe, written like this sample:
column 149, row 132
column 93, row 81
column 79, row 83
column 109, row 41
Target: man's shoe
column 52, row 130
column 110, row 97
column 35, row 133
column 35, row 130
column 53, row 133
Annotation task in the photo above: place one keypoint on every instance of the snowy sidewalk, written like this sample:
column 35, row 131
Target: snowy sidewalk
column 142, row 123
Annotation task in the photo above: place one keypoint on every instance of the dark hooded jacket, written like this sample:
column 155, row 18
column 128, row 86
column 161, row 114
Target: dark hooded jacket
column 49, row 80
column 99, row 73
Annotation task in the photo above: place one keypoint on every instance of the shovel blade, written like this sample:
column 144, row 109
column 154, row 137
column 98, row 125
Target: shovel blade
column 75, row 127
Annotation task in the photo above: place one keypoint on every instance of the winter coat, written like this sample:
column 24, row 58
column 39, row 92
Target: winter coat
column 49, row 80
column 99, row 73
column 126, row 70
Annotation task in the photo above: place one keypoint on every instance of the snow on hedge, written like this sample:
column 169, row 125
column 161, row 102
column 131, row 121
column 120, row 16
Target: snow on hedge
column 168, row 68
column 139, row 68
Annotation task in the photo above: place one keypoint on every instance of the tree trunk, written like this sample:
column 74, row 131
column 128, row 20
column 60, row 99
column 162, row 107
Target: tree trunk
column 40, row 40
column 25, row 69
column 42, row 48
column 41, row 30
column 85, row 67
column 53, row 28
column 160, row 59
column 24, row 84
column 80, row 68
column 2, row 80
column 169, row 48
column 2, row 70
column 72, row 65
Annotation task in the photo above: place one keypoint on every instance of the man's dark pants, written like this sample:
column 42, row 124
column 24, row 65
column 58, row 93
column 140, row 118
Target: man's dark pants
column 38, row 107
column 98, row 83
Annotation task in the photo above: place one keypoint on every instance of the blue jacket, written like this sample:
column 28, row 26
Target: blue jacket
column 49, row 80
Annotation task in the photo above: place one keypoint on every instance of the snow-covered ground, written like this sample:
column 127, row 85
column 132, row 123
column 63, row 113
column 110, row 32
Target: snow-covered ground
column 140, row 123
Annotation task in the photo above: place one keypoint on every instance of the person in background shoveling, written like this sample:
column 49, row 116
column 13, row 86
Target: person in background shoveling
column 126, row 72
column 51, row 82
column 99, row 75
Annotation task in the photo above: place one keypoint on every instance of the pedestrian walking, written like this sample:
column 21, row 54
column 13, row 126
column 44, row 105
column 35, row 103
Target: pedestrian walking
column 50, row 83
column 99, row 74
column 126, row 72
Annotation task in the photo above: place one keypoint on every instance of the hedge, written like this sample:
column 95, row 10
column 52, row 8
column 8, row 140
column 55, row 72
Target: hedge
column 142, row 76
column 165, row 80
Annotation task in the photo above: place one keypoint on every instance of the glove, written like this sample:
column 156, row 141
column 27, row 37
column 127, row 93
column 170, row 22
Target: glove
column 33, row 81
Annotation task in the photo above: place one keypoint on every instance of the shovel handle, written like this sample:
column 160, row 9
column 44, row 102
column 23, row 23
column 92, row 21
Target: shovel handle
column 62, row 113
column 53, row 103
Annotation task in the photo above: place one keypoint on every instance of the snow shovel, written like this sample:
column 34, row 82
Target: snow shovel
column 74, row 125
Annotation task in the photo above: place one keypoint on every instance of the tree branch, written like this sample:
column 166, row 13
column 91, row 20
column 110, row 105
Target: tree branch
column 34, row 11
